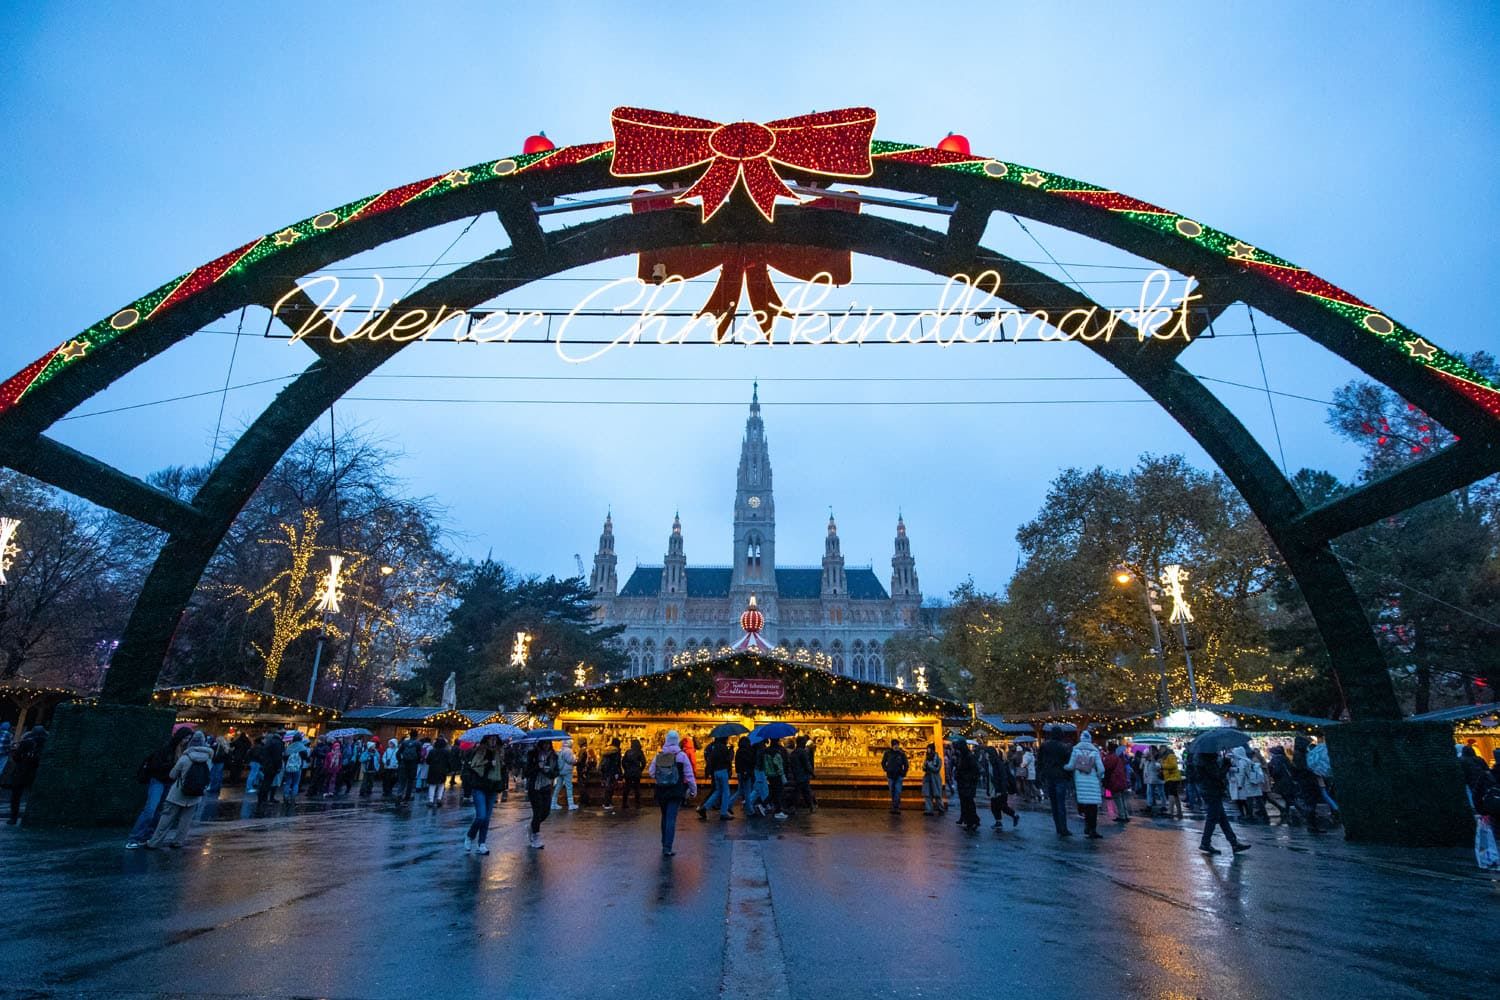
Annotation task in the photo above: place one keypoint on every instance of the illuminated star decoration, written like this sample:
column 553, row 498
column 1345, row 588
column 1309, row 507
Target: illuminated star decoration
column 580, row 675
column 1420, row 348
column 458, row 178
column 73, row 350
column 836, row 143
column 1173, row 577
column 287, row 237
column 1033, row 178
column 1241, row 249
column 519, row 650
column 328, row 603
column 9, row 547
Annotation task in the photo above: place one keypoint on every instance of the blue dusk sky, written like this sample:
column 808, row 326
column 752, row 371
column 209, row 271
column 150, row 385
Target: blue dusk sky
column 1356, row 140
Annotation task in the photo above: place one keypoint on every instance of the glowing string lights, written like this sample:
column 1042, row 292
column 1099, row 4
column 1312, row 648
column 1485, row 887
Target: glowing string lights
column 9, row 546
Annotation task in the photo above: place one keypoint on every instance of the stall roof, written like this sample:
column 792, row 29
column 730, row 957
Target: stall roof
column 418, row 715
column 995, row 724
column 1244, row 713
column 1463, row 713
column 183, row 694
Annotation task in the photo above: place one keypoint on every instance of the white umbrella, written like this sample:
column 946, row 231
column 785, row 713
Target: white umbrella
column 339, row 734
column 504, row 730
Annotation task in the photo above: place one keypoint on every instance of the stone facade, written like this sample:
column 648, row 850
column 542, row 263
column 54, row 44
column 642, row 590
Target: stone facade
column 841, row 611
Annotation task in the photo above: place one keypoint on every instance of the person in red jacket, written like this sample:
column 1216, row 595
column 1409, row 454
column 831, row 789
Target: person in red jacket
column 1117, row 782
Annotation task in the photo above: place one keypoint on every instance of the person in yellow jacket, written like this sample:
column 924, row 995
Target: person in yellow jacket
column 1171, row 775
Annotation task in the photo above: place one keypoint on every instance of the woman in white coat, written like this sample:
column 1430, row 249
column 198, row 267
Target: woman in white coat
column 1087, row 766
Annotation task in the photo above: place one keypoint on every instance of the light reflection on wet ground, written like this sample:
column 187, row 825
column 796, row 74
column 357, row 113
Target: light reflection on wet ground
column 371, row 899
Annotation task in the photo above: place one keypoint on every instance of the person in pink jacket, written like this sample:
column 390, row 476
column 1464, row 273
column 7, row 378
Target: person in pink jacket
column 672, row 771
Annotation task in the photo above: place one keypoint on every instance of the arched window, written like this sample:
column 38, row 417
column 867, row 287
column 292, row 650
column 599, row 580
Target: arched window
column 648, row 663
column 877, row 671
column 838, row 663
column 858, row 668
column 668, row 652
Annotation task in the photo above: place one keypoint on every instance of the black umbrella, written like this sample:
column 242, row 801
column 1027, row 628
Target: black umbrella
column 1218, row 739
column 728, row 729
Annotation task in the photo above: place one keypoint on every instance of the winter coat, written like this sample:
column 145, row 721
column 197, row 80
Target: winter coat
column 894, row 763
column 25, row 758
column 566, row 761
column 744, row 759
column 687, row 786
column 1002, row 776
column 1115, row 778
column 1052, row 760
column 440, row 763
column 542, row 768
column 388, row 760
column 192, row 755
column 484, row 769
column 1211, row 775
column 1086, row 786
column 1170, row 771
column 717, row 757
column 610, row 764
column 1244, row 783
column 296, row 757
column 272, row 752
column 799, row 766
column 634, row 762
column 966, row 772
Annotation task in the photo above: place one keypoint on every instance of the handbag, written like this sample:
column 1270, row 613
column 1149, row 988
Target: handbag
column 1486, row 855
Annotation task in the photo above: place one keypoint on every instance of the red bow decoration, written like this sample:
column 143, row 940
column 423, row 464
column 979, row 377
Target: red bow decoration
column 836, row 143
column 745, row 267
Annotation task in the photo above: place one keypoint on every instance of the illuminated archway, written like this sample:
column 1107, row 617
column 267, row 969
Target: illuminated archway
column 1228, row 270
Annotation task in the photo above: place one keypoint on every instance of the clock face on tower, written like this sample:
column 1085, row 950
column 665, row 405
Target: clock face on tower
column 754, row 501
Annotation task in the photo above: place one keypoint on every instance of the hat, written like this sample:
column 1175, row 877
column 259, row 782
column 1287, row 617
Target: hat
column 672, row 736
column 198, row 739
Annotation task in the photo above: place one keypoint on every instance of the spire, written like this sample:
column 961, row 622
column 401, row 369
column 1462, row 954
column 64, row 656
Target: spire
column 904, row 586
column 834, row 583
column 674, row 566
column 833, row 529
column 603, row 581
column 755, row 397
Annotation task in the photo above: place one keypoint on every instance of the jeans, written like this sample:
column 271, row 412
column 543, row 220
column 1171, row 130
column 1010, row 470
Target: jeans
column 1156, row 794
column 1214, row 806
column 564, row 783
column 146, row 821
column 761, row 793
column 1121, row 800
column 894, row 784
column 253, row 781
column 291, row 783
column 215, row 778
column 1057, row 795
column 720, row 797
column 669, row 808
column 484, row 806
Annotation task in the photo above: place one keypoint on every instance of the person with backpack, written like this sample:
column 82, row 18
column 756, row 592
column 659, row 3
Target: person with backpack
column 672, row 771
column 776, row 777
column 408, row 756
column 298, row 758
column 483, row 776
column 632, row 766
column 540, row 775
column 719, row 760
column 390, row 767
column 439, row 763
column 189, row 779
column 221, row 751
column 1117, row 781
column 1003, row 785
column 609, row 773
column 966, row 777
column 896, row 766
column 155, row 773
column 932, row 783
column 1319, row 764
column 1212, row 774
column 20, row 768
column 760, row 791
column 566, row 761
column 1306, row 782
column 1087, row 765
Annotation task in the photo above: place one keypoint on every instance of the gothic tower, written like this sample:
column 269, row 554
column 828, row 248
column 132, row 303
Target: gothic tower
column 603, row 581
column 674, row 576
column 905, row 593
column 754, row 520
column 834, row 584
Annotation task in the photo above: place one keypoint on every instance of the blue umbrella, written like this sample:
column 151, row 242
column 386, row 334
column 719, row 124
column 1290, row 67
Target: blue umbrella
column 772, row 731
column 542, row 736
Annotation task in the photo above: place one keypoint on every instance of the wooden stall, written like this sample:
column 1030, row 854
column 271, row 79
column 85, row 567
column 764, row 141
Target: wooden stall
column 221, row 709
column 388, row 722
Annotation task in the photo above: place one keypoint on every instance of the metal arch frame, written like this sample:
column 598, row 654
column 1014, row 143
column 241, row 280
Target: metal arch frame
column 34, row 399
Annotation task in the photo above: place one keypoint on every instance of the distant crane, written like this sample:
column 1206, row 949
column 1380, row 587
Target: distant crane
column 578, row 559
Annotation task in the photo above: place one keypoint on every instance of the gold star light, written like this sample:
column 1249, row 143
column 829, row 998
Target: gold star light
column 1420, row 348
column 287, row 237
column 1033, row 178
column 1241, row 249
column 73, row 350
column 458, row 178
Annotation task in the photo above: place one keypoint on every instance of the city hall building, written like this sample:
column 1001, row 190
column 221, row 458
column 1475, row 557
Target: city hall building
column 840, row 615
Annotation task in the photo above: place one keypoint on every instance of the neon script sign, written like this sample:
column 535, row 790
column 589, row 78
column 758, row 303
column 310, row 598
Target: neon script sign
column 968, row 311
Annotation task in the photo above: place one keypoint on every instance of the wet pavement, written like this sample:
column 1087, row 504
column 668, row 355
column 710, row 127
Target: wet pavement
column 376, row 900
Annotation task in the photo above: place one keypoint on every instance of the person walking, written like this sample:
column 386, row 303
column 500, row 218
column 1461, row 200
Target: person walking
column 272, row 756
column 540, row 775
column 439, row 764
column 744, row 773
column 566, row 761
column 1003, row 784
column 799, row 772
column 966, row 778
column 632, row 766
column 483, row 775
column 896, row 765
column 610, row 762
column 588, row 768
column 239, row 758
column 188, row 781
column 1306, row 781
column 1156, row 789
column 1171, row 777
column 369, row 767
column 20, row 768
column 1117, row 781
column 672, row 771
column 1238, row 782
column 297, row 757
column 221, row 751
column 932, row 783
column 761, row 794
column 1051, row 768
column 333, row 765
column 156, row 774
column 1086, row 765
column 1212, row 774
column 718, row 759
column 408, row 757
column 776, row 778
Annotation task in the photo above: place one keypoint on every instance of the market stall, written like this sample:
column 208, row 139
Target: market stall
column 389, row 722
column 222, row 709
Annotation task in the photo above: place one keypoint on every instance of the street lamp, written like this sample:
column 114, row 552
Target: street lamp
column 1123, row 576
column 328, row 604
column 1173, row 577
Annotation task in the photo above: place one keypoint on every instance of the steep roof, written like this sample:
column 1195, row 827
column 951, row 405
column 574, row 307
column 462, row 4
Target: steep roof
column 795, row 582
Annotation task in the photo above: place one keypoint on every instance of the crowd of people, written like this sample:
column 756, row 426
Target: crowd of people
column 766, row 778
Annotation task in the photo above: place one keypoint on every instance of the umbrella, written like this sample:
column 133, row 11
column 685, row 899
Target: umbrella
column 339, row 734
column 1024, row 739
column 538, row 735
column 773, row 731
column 1218, row 739
column 504, row 730
column 181, row 726
column 1151, row 739
column 728, row 729
column 1059, row 727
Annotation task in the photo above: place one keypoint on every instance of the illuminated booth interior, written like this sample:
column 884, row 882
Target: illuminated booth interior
column 221, row 709
column 1264, row 726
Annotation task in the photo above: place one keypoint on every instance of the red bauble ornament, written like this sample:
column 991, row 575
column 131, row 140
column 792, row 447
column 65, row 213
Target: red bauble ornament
column 752, row 621
column 538, row 143
column 955, row 143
